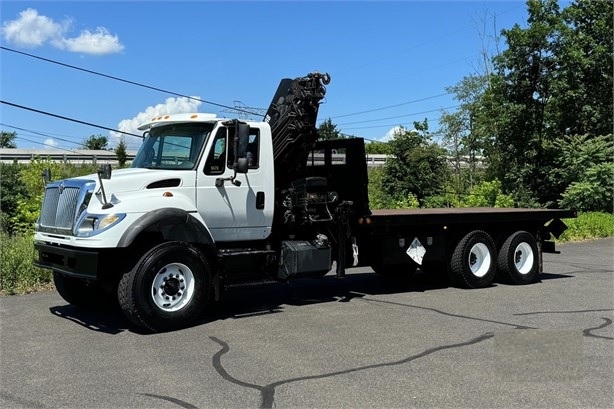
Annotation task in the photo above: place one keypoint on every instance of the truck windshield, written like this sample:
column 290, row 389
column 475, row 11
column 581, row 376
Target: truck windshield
column 174, row 146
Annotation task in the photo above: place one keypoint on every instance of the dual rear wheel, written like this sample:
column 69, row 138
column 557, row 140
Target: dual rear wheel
column 475, row 261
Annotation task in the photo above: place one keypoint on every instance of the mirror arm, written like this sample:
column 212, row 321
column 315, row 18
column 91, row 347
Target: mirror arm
column 104, row 171
column 219, row 182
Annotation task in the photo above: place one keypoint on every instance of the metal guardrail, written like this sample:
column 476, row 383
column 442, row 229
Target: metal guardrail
column 84, row 156
column 80, row 156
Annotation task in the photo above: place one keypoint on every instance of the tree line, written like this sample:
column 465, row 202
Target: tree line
column 539, row 114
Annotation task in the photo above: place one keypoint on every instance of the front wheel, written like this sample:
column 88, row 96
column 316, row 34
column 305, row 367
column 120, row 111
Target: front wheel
column 473, row 261
column 167, row 289
column 82, row 293
column 518, row 259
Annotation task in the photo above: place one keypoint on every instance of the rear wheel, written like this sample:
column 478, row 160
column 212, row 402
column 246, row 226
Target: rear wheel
column 167, row 289
column 518, row 260
column 473, row 262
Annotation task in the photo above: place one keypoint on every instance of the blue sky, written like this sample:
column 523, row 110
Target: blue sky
column 390, row 62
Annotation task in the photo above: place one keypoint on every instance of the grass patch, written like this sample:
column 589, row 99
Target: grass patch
column 17, row 273
column 588, row 226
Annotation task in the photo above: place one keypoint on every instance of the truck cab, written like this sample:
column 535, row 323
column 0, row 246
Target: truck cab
column 187, row 165
column 231, row 204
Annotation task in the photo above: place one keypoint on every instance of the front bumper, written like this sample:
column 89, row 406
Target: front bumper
column 78, row 263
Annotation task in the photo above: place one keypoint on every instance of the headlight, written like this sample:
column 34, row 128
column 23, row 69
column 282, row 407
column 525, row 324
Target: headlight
column 109, row 220
column 92, row 224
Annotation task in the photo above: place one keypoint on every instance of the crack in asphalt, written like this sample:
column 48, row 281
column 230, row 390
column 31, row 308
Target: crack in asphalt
column 267, row 392
column 563, row 312
column 176, row 401
column 588, row 332
column 449, row 314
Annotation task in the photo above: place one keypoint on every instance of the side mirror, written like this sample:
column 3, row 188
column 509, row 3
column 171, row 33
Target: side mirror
column 104, row 171
column 242, row 140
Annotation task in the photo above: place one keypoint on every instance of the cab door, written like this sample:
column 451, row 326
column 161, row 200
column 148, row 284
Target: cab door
column 233, row 211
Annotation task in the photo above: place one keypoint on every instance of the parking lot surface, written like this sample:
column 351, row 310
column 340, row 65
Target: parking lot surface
column 356, row 342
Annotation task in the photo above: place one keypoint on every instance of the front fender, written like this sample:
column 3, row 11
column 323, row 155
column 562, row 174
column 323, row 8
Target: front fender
column 172, row 223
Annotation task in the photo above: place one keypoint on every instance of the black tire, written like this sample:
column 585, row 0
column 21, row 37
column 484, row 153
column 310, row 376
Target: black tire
column 473, row 263
column 167, row 289
column 405, row 270
column 518, row 259
column 82, row 293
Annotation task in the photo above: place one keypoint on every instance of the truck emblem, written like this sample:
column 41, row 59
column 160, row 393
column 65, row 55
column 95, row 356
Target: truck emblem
column 61, row 187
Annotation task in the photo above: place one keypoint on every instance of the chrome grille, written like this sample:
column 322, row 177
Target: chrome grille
column 59, row 207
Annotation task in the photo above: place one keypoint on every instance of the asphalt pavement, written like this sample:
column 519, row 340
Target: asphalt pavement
column 357, row 342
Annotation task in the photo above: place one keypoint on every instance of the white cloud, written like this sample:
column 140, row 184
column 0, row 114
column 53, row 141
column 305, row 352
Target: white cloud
column 170, row 106
column 34, row 30
column 50, row 143
column 391, row 133
column 98, row 43
column 31, row 29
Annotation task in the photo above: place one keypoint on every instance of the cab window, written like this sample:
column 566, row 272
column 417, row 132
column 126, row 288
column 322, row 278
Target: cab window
column 215, row 164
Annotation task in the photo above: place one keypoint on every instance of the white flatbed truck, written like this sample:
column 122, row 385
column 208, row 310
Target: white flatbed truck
column 209, row 203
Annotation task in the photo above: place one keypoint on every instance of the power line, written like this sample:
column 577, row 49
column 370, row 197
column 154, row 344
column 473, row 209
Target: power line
column 120, row 79
column 245, row 110
column 68, row 119
column 38, row 133
column 398, row 116
column 387, row 125
column 392, row 106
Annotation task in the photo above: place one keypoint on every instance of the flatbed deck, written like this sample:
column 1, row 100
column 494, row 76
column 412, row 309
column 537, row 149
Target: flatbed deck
column 439, row 216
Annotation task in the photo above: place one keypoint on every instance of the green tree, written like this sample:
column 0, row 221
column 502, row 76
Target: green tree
column 96, row 142
column 593, row 192
column 521, row 91
column 418, row 166
column 586, row 172
column 377, row 148
column 577, row 154
column 328, row 131
column 28, row 207
column 464, row 132
column 554, row 78
column 584, row 81
column 487, row 194
column 7, row 140
column 380, row 199
column 121, row 153
column 12, row 190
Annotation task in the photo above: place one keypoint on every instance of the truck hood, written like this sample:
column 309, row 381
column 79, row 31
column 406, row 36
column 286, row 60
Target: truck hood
column 134, row 179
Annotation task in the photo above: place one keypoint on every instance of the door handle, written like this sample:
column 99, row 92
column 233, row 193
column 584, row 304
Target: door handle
column 260, row 200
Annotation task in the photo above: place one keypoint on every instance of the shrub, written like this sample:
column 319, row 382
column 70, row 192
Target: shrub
column 17, row 273
column 588, row 226
column 594, row 192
